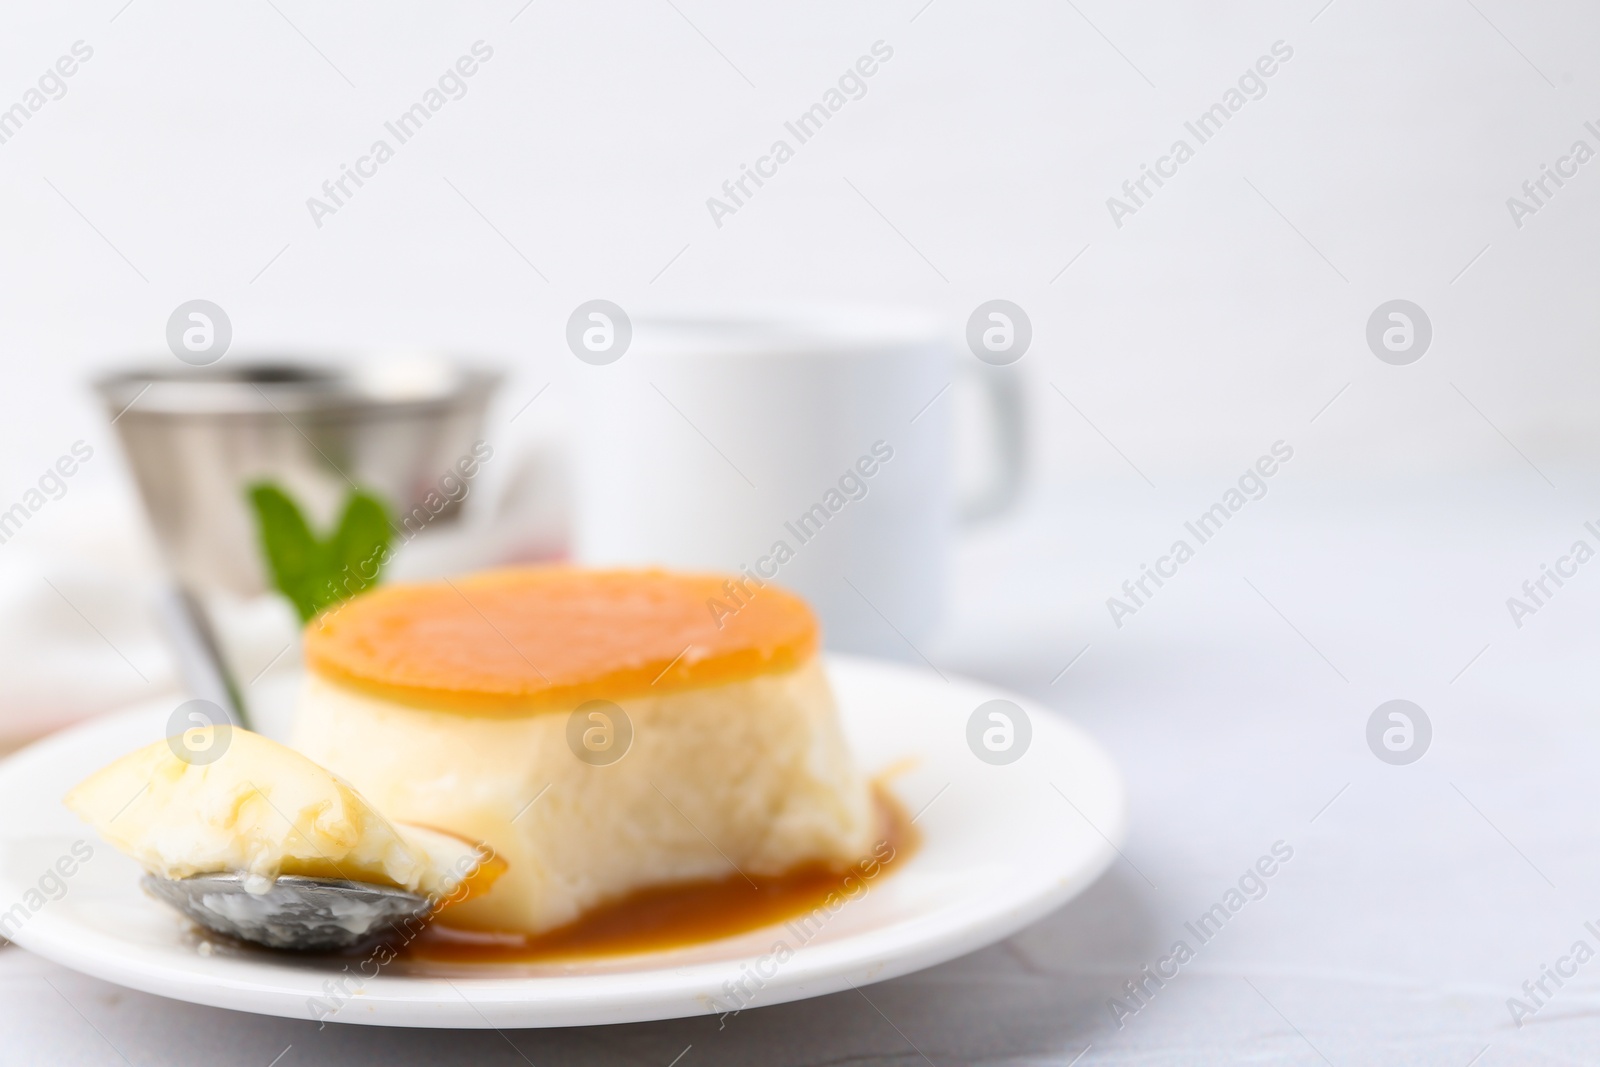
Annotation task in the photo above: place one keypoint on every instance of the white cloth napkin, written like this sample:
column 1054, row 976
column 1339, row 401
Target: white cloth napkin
column 78, row 635
column 81, row 580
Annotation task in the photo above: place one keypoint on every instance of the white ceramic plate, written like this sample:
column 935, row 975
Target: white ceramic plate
column 1002, row 845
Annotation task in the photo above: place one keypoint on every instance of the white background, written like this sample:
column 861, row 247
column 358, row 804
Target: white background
column 1224, row 316
column 1199, row 332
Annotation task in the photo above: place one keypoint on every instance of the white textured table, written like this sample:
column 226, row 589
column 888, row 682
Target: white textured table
column 1418, row 898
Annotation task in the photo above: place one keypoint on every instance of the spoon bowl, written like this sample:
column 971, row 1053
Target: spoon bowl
column 292, row 912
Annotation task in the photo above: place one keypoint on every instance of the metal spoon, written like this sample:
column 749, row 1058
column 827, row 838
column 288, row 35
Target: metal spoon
column 296, row 913
column 198, row 655
column 301, row 914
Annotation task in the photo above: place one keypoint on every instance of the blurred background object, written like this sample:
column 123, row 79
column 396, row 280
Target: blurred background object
column 197, row 440
column 1170, row 346
column 1177, row 336
column 276, row 487
column 56, row 665
column 843, row 486
column 978, row 164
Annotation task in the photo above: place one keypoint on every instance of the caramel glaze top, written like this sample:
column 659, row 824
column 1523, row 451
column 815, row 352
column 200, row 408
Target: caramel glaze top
column 545, row 639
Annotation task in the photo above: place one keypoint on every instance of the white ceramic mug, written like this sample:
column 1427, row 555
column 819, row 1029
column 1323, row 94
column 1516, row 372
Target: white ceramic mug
column 813, row 453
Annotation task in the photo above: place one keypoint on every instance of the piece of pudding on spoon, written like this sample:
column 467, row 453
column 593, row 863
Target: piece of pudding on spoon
column 254, row 840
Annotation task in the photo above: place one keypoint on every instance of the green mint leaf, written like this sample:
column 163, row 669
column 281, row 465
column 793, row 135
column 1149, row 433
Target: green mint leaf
column 360, row 544
column 315, row 573
column 290, row 548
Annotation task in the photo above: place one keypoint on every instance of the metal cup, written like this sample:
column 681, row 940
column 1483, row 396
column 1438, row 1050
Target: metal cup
column 196, row 439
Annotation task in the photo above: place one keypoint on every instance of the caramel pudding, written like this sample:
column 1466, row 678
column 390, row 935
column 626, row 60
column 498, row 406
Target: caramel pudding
column 662, row 918
column 604, row 732
column 250, row 806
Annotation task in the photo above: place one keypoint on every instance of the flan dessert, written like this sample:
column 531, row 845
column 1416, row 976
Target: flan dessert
column 604, row 732
column 262, row 810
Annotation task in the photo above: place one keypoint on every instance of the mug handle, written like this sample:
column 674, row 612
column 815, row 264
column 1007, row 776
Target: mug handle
column 1002, row 392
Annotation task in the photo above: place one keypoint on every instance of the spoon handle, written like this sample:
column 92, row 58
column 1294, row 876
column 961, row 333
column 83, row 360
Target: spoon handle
column 194, row 644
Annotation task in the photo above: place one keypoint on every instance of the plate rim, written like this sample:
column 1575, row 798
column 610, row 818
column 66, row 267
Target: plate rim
column 656, row 991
